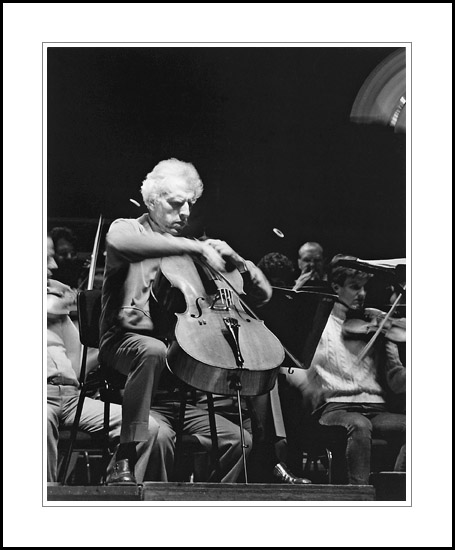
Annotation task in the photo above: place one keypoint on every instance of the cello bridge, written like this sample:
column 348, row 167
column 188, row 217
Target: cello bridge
column 223, row 300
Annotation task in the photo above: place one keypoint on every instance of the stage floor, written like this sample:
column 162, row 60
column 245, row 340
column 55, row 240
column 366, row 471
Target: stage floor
column 229, row 492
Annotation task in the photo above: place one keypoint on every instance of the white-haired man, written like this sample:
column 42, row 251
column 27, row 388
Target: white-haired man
column 128, row 332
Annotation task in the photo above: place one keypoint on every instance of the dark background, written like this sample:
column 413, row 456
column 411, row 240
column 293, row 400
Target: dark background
column 267, row 128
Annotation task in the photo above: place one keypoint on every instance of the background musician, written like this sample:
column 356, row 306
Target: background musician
column 63, row 368
column 70, row 268
column 395, row 366
column 311, row 264
column 343, row 393
column 129, row 341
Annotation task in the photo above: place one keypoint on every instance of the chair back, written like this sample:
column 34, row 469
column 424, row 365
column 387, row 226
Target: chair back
column 89, row 312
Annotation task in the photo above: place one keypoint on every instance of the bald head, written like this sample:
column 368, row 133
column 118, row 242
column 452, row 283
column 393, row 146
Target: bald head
column 311, row 259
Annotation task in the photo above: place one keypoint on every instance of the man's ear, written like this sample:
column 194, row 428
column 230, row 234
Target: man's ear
column 336, row 287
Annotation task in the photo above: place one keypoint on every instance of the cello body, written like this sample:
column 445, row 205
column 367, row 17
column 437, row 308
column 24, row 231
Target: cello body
column 215, row 344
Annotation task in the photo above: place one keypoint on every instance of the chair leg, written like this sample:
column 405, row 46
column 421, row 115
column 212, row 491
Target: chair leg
column 74, row 429
column 178, row 453
column 87, row 467
column 106, row 453
column 71, row 465
column 329, row 468
column 214, row 452
column 307, row 467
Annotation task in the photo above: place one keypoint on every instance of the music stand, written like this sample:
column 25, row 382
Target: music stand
column 298, row 319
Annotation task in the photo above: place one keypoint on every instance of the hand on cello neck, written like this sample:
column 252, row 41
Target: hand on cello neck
column 220, row 256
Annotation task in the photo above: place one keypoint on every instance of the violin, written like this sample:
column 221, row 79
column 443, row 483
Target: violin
column 216, row 344
column 393, row 329
column 61, row 299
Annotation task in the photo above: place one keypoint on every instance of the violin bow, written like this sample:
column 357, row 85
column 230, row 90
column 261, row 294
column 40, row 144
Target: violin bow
column 94, row 257
column 90, row 280
column 370, row 344
column 311, row 290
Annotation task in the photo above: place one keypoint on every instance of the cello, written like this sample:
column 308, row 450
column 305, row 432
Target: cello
column 216, row 344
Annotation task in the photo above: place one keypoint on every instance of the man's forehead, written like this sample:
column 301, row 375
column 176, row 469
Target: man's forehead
column 176, row 187
column 360, row 279
column 310, row 251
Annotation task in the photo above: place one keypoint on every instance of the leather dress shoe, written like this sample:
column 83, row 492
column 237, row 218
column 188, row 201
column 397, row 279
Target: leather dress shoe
column 283, row 475
column 121, row 474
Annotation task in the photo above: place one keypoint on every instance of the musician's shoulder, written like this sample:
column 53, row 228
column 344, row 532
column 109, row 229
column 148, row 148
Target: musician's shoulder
column 129, row 224
column 54, row 285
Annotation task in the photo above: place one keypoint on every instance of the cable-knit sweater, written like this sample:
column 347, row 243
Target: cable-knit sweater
column 335, row 373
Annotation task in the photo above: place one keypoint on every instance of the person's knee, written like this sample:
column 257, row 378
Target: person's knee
column 359, row 426
column 355, row 424
column 165, row 437
column 153, row 428
column 150, row 347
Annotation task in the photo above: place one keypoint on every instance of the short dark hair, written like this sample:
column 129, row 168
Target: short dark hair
column 63, row 233
column 278, row 269
column 338, row 273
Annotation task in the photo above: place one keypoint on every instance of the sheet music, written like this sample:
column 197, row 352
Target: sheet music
column 385, row 263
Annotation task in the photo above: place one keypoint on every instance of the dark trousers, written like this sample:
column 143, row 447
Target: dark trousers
column 359, row 423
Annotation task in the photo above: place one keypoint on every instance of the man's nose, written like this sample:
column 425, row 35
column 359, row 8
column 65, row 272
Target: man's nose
column 51, row 264
column 185, row 211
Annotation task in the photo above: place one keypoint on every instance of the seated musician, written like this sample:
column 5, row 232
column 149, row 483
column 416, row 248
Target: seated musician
column 278, row 269
column 70, row 268
column 270, row 453
column 129, row 343
column 344, row 393
column 63, row 368
column 311, row 264
column 395, row 368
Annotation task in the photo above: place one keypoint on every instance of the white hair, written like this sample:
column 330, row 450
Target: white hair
column 155, row 182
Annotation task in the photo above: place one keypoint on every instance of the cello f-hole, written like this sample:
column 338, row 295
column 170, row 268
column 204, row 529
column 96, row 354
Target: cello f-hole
column 198, row 308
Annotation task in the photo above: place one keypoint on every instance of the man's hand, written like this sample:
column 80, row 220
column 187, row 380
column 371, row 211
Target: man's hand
column 211, row 256
column 302, row 280
column 227, row 253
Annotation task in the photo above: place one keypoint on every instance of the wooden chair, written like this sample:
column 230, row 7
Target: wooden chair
column 110, row 385
column 89, row 311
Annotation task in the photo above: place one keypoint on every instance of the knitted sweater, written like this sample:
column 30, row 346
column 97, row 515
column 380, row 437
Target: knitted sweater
column 335, row 374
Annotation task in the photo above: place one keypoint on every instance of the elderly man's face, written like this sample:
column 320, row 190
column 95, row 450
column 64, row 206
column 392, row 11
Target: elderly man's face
column 171, row 210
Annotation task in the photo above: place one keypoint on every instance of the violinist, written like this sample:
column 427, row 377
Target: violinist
column 395, row 365
column 343, row 392
column 63, row 368
column 129, row 340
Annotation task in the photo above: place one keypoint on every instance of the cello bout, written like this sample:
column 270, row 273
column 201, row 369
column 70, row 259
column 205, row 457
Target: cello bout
column 216, row 345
